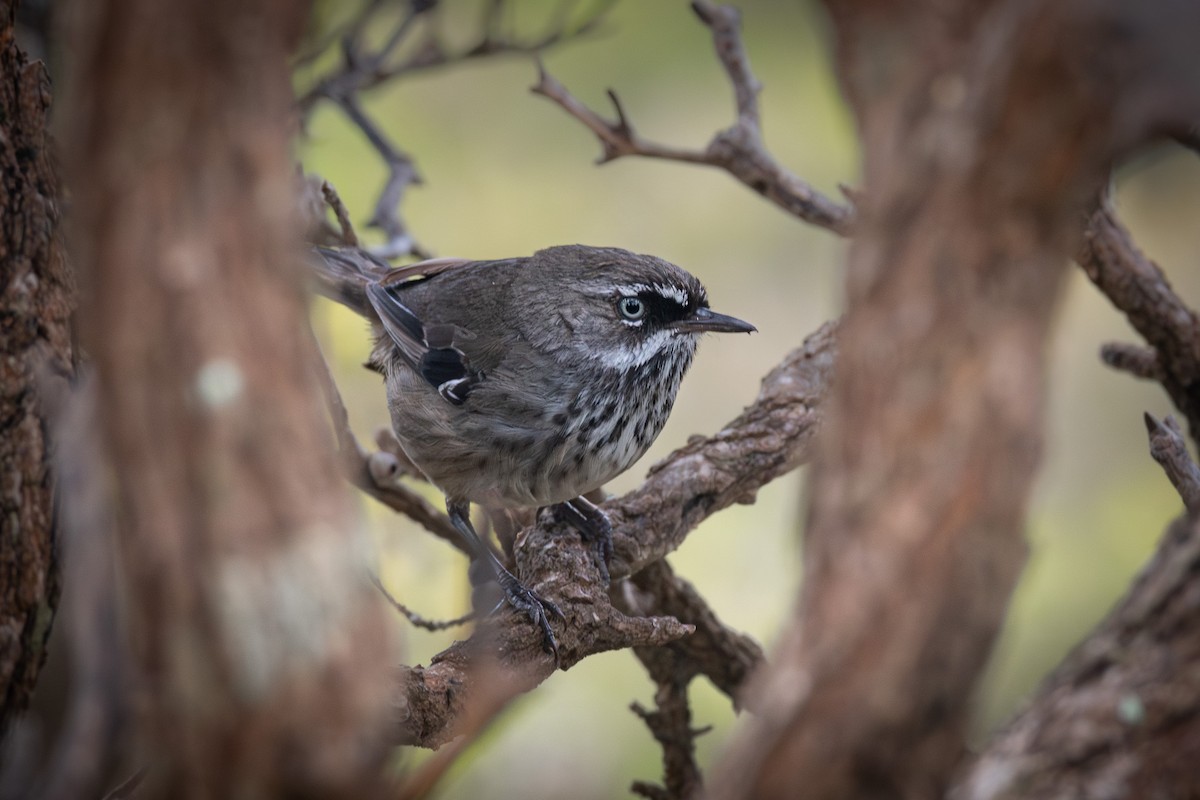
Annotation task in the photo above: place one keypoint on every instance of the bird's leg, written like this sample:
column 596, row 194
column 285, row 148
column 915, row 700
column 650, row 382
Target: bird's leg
column 519, row 597
column 592, row 523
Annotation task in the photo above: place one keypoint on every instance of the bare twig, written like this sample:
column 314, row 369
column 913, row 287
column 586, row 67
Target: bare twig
column 498, row 688
column 401, row 174
column 671, row 725
column 362, row 68
column 369, row 471
column 739, row 149
column 1141, row 362
column 358, row 68
column 334, row 201
column 725, row 656
column 363, row 71
column 416, row 619
column 1139, row 289
column 1169, row 449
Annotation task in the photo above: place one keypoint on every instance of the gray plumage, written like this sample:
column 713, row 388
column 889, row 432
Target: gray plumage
column 528, row 382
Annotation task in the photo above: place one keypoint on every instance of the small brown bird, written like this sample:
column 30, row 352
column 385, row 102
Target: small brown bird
column 527, row 382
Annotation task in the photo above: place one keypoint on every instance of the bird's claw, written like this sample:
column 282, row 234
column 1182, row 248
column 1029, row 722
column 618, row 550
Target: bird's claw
column 595, row 529
column 538, row 608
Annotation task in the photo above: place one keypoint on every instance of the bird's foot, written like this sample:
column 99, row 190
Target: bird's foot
column 537, row 607
column 594, row 526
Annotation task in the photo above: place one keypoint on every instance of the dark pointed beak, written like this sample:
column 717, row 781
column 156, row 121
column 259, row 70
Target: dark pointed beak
column 705, row 319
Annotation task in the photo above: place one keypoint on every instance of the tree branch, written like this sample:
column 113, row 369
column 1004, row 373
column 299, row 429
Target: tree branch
column 738, row 150
column 377, row 474
column 1139, row 289
column 725, row 656
column 671, row 724
column 1118, row 717
column 1168, row 448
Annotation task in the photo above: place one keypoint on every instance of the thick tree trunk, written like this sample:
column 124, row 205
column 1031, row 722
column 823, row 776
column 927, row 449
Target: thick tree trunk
column 987, row 128
column 260, row 652
column 36, row 297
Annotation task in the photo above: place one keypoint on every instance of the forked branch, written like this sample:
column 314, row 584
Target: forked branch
column 738, row 150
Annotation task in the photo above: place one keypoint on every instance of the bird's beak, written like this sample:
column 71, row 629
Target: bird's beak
column 705, row 319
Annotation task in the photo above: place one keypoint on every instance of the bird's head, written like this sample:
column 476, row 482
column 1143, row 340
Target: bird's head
column 621, row 308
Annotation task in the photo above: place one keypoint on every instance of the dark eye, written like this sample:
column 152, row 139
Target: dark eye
column 632, row 308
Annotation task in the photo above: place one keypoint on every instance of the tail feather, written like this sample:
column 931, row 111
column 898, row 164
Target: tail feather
column 342, row 276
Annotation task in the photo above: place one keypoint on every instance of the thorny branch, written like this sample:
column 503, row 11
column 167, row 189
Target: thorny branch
column 739, row 149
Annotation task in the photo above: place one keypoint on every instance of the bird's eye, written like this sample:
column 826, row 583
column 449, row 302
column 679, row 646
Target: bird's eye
column 632, row 308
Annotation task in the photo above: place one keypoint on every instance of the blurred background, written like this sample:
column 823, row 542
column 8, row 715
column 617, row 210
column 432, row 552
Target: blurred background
column 506, row 173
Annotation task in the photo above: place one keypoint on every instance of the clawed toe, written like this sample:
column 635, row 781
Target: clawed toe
column 538, row 608
column 593, row 525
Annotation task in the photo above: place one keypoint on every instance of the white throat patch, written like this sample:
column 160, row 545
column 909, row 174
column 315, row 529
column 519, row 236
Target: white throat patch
column 629, row 356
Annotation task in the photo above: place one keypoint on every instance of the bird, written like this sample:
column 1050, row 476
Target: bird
column 527, row 382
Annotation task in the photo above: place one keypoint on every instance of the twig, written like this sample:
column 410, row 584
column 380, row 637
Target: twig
column 1141, row 362
column 361, row 72
column 498, row 688
column 401, row 174
column 365, row 470
column 334, row 201
column 739, row 150
column 1169, row 449
column 722, row 654
column 1139, row 289
column 671, row 725
column 358, row 68
column 415, row 618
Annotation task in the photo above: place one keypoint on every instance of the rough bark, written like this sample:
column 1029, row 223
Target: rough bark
column 258, row 649
column 1120, row 717
column 986, row 128
column 36, row 297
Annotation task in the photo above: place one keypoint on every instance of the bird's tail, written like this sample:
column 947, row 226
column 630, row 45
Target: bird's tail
column 342, row 275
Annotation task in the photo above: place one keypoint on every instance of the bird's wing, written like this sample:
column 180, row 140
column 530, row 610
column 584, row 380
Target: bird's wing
column 432, row 350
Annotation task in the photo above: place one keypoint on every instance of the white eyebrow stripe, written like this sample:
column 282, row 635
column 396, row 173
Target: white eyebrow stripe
column 675, row 293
